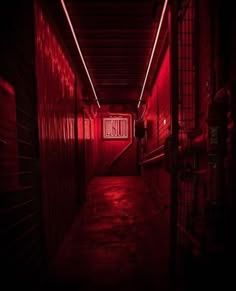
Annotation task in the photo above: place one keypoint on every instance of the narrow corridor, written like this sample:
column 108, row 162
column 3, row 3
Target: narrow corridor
column 118, row 145
column 113, row 243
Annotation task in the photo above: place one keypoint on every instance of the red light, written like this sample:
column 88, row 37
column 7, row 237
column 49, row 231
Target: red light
column 87, row 129
column 115, row 128
column 78, row 48
column 153, row 50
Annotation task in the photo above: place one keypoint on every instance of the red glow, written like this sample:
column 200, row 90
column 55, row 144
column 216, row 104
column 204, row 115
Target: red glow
column 115, row 128
column 87, row 128
column 50, row 54
column 153, row 50
column 7, row 87
column 116, row 156
column 56, row 121
column 92, row 128
column 9, row 178
column 78, row 48
column 163, row 89
column 158, row 110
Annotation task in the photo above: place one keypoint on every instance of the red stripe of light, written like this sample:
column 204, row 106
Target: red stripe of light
column 153, row 50
column 79, row 50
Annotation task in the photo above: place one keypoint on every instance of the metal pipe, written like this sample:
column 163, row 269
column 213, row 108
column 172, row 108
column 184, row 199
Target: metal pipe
column 122, row 152
column 153, row 159
column 156, row 151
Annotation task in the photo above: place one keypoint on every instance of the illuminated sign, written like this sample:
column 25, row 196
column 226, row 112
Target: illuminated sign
column 116, row 128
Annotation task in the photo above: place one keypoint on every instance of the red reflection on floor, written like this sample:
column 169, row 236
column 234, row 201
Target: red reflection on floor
column 113, row 243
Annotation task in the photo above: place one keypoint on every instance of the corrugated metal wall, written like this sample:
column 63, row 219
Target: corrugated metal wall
column 80, row 145
column 158, row 118
column 57, row 133
column 157, row 178
column 90, row 141
column 21, row 239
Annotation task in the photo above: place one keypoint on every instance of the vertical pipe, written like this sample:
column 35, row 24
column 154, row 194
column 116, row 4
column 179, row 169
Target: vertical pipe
column 76, row 144
column 173, row 24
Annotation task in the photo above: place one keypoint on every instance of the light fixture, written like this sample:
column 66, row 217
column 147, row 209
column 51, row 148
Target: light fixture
column 79, row 50
column 153, row 50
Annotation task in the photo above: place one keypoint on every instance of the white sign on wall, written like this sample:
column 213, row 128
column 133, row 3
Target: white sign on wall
column 116, row 128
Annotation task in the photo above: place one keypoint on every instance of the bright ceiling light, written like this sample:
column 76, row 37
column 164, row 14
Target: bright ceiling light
column 79, row 50
column 153, row 50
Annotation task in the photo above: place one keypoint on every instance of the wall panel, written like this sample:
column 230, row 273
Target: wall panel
column 22, row 255
column 57, row 133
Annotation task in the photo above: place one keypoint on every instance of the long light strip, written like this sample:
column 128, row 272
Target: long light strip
column 79, row 50
column 153, row 50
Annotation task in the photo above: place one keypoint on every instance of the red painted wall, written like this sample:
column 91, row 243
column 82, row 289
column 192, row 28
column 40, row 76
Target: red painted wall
column 162, row 90
column 57, row 134
column 196, row 212
column 116, row 157
column 156, row 177
column 80, row 145
column 157, row 115
column 158, row 122
column 90, row 141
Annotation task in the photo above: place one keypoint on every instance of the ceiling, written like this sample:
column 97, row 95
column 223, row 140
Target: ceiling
column 116, row 40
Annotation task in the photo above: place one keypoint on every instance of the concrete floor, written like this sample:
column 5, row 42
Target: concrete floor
column 114, row 243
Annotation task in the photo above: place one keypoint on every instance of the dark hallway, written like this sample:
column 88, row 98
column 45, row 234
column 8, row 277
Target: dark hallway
column 117, row 145
column 114, row 242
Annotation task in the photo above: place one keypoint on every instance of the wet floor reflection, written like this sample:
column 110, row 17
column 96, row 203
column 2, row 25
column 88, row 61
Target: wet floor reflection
column 114, row 243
